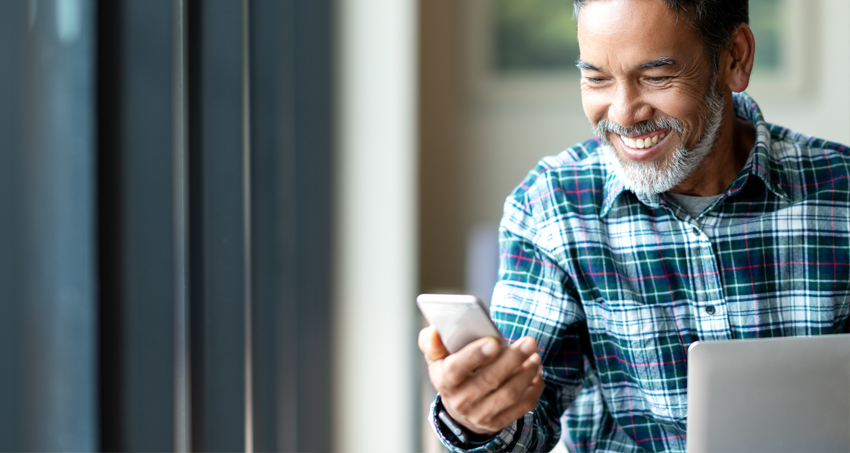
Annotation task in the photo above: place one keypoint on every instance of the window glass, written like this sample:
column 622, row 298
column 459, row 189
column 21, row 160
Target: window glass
column 766, row 21
column 534, row 35
column 539, row 35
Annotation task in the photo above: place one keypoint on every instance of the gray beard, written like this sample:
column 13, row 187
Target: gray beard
column 655, row 177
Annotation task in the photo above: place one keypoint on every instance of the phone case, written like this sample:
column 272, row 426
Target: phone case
column 460, row 319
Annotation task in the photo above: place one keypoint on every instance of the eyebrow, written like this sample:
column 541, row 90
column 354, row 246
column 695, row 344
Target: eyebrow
column 657, row 63
column 581, row 64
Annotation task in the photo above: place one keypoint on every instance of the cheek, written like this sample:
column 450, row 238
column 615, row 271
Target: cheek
column 594, row 105
column 686, row 108
column 672, row 103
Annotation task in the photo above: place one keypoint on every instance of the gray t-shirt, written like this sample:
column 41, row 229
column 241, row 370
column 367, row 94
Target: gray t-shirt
column 694, row 205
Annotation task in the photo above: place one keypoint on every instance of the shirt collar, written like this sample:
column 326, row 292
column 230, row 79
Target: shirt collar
column 759, row 163
column 613, row 188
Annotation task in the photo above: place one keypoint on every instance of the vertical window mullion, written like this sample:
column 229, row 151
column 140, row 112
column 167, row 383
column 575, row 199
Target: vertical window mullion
column 217, row 225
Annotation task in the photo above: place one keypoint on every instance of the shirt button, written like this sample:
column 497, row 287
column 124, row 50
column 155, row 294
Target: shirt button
column 696, row 231
column 710, row 309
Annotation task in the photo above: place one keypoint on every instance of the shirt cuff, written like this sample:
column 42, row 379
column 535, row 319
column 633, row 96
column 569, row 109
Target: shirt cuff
column 501, row 442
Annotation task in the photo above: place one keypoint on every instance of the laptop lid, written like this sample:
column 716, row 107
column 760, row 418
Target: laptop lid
column 787, row 394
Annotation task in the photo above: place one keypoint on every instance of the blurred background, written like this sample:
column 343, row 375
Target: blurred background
column 215, row 215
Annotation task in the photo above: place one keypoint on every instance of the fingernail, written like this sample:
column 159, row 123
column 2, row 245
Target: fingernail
column 489, row 348
column 527, row 346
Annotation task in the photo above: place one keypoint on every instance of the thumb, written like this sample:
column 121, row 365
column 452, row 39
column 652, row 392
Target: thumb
column 431, row 345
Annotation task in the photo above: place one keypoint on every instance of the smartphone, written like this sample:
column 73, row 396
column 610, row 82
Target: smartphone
column 460, row 319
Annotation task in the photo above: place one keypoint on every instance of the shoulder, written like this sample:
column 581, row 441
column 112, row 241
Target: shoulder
column 792, row 143
column 573, row 178
column 811, row 163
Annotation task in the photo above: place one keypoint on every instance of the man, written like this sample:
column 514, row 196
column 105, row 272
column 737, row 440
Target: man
column 689, row 218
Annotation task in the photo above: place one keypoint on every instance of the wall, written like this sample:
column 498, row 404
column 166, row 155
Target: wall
column 375, row 227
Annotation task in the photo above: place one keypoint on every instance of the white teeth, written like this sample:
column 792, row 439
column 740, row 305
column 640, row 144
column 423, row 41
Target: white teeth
column 643, row 143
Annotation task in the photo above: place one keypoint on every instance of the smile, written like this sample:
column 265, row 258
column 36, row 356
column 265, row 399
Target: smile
column 644, row 142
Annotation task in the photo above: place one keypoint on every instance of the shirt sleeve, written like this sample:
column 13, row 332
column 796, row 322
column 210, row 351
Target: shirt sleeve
column 505, row 440
column 534, row 296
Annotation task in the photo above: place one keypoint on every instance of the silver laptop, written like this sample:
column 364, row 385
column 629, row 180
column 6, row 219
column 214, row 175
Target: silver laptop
column 773, row 395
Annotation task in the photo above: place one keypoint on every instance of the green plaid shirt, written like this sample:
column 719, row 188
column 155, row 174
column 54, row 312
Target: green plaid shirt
column 616, row 286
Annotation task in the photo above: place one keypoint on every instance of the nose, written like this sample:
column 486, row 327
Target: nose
column 627, row 107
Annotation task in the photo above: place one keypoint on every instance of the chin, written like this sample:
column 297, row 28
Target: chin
column 652, row 176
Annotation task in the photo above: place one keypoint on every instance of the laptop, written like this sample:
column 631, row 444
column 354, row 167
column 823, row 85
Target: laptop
column 774, row 395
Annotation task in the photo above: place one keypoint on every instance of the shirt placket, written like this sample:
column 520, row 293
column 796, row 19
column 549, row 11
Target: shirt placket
column 711, row 311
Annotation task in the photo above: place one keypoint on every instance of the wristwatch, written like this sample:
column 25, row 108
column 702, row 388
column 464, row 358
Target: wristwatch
column 463, row 435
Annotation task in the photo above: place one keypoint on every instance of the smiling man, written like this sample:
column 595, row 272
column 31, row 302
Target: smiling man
column 688, row 218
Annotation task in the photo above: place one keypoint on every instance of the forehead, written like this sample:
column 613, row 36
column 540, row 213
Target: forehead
column 615, row 34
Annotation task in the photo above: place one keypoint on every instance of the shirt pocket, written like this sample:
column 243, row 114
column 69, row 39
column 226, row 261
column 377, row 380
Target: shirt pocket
column 645, row 343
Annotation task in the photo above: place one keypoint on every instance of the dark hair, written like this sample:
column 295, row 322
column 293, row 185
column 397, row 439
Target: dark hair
column 714, row 20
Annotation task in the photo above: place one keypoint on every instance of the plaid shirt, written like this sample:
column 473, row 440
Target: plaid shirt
column 616, row 286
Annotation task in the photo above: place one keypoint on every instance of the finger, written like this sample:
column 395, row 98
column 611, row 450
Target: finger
column 458, row 367
column 495, row 413
column 530, row 397
column 431, row 345
column 469, row 389
column 513, row 390
column 492, row 376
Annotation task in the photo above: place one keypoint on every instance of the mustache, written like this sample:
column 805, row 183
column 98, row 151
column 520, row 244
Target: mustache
column 604, row 127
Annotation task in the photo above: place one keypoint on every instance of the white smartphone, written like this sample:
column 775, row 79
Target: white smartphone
column 460, row 319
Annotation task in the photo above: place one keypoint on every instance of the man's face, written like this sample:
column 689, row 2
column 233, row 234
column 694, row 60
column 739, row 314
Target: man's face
column 648, row 90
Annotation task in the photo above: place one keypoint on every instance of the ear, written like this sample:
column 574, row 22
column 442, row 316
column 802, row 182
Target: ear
column 736, row 61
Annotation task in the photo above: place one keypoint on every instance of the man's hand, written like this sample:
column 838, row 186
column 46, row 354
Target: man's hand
column 481, row 389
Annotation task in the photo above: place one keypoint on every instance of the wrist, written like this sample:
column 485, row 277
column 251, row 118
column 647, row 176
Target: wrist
column 463, row 434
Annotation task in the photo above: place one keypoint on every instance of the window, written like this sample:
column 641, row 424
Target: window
column 525, row 51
